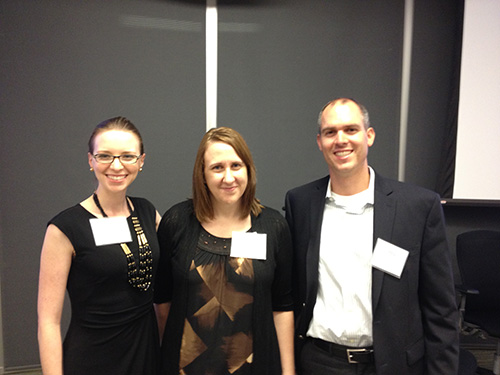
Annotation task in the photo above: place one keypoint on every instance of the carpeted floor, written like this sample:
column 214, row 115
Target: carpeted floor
column 26, row 371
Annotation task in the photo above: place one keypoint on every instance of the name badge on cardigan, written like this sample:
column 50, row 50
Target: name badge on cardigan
column 249, row 245
column 389, row 258
column 110, row 230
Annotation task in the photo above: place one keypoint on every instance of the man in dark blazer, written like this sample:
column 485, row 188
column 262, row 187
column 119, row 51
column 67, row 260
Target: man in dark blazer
column 389, row 308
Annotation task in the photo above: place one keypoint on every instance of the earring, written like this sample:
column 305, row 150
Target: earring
column 91, row 169
column 140, row 169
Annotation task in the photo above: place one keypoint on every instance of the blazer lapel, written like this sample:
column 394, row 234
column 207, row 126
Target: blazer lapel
column 318, row 194
column 383, row 219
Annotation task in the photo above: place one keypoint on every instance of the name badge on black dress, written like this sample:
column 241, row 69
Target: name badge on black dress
column 110, row 230
column 249, row 245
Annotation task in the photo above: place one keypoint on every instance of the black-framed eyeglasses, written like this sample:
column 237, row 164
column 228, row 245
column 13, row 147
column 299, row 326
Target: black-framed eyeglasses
column 124, row 159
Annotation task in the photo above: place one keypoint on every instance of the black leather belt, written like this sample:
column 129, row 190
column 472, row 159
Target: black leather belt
column 352, row 355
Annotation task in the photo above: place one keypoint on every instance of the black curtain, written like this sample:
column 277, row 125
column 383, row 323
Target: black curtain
column 446, row 176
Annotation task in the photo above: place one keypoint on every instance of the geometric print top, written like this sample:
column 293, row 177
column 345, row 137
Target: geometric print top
column 217, row 337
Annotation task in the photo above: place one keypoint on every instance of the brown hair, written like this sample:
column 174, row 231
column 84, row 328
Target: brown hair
column 203, row 207
column 364, row 112
column 115, row 123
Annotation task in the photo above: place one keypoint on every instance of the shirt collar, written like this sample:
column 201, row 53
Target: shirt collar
column 354, row 202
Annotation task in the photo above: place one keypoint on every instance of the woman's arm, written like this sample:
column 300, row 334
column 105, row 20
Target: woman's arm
column 55, row 262
column 283, row 321
column 162, row 310
column 157, row 220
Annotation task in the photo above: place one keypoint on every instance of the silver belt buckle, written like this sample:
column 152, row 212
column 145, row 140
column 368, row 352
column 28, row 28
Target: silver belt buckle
column 350, row 352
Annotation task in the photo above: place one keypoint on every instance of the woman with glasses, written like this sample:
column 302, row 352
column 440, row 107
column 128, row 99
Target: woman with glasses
column 104, row 251
column 224, row 280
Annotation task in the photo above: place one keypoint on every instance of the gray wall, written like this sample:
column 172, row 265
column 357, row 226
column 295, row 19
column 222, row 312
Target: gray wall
column 65, row 65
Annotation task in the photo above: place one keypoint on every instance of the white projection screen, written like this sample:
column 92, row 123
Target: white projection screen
column 477, row 170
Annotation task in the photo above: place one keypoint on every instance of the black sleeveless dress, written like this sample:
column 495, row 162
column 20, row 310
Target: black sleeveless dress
column 113, row 329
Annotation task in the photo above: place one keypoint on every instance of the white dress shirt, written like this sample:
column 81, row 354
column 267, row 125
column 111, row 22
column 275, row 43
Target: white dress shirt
column 343, row 309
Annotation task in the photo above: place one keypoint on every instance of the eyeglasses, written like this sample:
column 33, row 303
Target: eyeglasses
column 124, row 159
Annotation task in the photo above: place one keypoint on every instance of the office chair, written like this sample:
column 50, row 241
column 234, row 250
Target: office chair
column 478, row 257
column 467, row 363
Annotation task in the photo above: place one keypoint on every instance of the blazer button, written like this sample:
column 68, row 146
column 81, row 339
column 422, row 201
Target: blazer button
column 301, row 337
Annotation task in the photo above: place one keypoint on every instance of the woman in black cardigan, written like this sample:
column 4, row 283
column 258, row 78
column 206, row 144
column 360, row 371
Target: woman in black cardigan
column 223, row 291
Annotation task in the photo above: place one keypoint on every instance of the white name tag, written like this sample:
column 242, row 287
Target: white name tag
column 389, row 258
column 110, row 230
column 249, row 245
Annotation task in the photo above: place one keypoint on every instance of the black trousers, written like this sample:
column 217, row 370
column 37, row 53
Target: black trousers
column 316, row 361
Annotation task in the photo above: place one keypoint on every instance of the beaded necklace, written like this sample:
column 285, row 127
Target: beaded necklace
column 138, row 278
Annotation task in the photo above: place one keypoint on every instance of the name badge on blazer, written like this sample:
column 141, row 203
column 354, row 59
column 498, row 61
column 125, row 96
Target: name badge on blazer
column 110, row 230
column 389, row 258
column 249, row 245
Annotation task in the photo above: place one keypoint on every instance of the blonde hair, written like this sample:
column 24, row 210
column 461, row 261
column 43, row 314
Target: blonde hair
column 115, row 123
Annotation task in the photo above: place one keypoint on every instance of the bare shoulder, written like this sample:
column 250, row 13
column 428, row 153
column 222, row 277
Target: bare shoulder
column 56, row 242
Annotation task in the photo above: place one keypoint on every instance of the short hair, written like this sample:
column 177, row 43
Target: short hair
column 115, row 123
column 202, row 201
column 364, row 112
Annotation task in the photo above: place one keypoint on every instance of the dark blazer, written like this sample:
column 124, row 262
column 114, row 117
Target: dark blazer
column 415, row 318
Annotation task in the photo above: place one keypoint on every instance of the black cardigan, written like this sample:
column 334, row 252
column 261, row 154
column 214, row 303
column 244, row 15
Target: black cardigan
column 178, row 235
